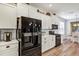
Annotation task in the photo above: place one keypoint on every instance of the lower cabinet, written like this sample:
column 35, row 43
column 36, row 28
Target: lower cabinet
column 44, row 42
column 51, row 41
column 48, row 42
column 9, row 49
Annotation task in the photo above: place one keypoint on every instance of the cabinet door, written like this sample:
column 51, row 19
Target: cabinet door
column 7, row 16
column 53, row 41
column 43, row 43
column 45, row 21
column 22, row 9
column 9, row 50
column 48, row 42
column 33, row 12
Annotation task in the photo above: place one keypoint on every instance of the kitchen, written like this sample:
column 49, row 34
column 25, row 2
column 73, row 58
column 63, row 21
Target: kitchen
column 29, row 30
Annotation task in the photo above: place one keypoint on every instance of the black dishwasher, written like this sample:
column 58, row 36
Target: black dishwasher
column 58, row 40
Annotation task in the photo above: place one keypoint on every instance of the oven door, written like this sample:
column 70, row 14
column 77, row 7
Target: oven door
column 27, row 41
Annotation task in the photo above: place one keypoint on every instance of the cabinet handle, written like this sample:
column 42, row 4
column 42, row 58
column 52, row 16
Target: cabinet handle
column 7, row 46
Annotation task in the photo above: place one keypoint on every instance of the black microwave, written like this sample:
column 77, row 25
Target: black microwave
column 54, row 26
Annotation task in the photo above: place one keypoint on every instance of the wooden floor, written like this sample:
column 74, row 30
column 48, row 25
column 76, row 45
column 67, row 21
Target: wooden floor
column 66, row 49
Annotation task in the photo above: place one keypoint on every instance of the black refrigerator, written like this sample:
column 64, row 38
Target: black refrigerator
column 29, row 36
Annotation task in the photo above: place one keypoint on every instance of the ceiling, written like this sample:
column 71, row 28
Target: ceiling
column 64, row 10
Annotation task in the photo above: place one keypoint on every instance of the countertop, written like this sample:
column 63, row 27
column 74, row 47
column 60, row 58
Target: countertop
column 9, row 42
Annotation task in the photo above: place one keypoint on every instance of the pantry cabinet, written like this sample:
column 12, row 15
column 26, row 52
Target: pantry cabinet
column 7, row 16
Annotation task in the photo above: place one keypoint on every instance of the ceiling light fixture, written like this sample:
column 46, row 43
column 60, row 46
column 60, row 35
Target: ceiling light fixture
column 50, row 5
